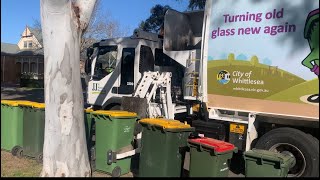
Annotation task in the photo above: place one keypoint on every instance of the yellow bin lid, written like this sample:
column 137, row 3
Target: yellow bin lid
column 166, row 123
column 118, row 114
column 16, row 102
column 6, row 101
column 89, row 110
column 24, row 103
column 38, row 105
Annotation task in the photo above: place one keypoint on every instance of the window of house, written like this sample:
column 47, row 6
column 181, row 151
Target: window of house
column 33, row 67
column 41, row 68
column 25, row 67
column 25, row 44
column 30, row 44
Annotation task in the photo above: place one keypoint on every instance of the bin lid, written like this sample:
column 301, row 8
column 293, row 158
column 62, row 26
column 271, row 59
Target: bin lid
column 165, row 123
column 16, row 102
column 268, row 155
column 89, row 110
column 38, row 105
column 217, row 145
column 25, row 103
column 6, row 101
column 119, row 114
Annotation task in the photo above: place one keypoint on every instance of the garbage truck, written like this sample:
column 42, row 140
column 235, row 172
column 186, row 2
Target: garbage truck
column 246, row 72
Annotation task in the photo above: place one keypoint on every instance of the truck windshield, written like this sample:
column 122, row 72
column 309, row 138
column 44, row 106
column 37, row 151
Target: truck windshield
column 106, row 61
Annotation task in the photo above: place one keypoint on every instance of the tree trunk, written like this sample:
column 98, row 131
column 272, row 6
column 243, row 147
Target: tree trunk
column 65, row 151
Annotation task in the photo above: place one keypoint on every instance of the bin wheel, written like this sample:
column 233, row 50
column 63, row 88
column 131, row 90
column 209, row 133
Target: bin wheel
column 302, row 146
column 39, row 158
column 14, row 150
column 116, row 172
column 20, row 153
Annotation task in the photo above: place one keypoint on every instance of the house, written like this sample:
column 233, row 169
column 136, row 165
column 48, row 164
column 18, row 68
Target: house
column 30, row 39
column 25, row 57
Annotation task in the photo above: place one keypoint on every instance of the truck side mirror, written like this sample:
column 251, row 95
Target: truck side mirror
column 87, row 66
column 89, row 52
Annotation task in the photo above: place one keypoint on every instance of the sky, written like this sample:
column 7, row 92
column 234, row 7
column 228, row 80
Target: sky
column 16, row 14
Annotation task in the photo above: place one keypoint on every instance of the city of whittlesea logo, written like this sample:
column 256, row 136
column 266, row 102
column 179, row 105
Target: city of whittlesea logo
column 223, row 77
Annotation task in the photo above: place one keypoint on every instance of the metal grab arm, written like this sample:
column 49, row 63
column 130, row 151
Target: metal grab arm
column 156, row 81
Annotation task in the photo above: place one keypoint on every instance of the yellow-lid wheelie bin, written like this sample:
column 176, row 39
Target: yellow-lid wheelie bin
column 163, row 147
column 89, row 124
column 12, row 125
column 114, row 134
column 33, row 131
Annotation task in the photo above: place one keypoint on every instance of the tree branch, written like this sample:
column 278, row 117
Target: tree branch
column 83, row 10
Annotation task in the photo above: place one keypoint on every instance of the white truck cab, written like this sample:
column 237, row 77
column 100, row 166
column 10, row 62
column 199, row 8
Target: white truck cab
column 116, row 65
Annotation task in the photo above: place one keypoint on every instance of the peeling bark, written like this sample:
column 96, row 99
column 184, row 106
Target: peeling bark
column 65, row 151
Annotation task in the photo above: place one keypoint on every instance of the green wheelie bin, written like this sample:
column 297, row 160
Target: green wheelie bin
column 88, row 123
column 209, row 157
column 163, row 147
column 263, row 163
column 33, row 131
column 89, row 128
column 114, row 134
column 5, row 112
column 12, row 125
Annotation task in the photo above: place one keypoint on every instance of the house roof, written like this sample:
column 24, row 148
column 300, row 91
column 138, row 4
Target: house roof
column 13, row 49
column 8, row 48
column 37, row 33
column 33, row 52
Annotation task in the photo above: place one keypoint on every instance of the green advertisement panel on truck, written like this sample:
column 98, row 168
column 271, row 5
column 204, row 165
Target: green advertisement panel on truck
column 262, row 61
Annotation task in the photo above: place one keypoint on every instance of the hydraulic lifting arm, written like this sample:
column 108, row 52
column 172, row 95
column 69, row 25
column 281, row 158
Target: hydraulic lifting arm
column 147, row 88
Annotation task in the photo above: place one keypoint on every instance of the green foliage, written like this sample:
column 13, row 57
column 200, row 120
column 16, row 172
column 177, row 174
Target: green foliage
column 196, row 4
column 254, row 60
column 231, row 57
column 155, row 21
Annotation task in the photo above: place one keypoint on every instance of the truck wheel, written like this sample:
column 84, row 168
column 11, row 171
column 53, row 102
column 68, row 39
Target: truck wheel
column 302, row 146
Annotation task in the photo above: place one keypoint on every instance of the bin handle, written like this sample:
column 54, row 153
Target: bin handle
column 106, row 118
column 148, row 126
column 261, row 160
column 111, row 157
column 153, row 128
column 200, row 147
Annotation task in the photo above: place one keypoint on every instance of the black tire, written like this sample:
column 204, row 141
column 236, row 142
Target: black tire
column 20, row 153
column 116, row 172
column 14, row 150
column 39, row 158
column 303, row 146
